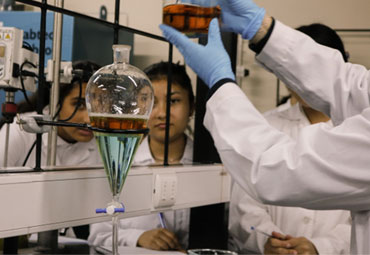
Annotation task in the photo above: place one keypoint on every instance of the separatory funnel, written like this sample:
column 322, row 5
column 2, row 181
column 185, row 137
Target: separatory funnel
column 119, row 100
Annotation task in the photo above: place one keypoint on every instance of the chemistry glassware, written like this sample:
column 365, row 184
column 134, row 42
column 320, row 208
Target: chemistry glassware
column 119, row 100
column 191, row 17
column 210, row 252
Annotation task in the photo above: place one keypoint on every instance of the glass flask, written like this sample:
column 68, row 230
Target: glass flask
column 119, row 100
column 192, row 17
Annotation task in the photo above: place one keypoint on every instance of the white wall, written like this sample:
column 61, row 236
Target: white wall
column 259, row 86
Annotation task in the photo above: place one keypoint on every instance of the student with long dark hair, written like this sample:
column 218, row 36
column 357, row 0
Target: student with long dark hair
column 75, row 145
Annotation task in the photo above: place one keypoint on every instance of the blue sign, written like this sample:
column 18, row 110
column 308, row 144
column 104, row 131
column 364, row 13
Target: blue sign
column 29, row 22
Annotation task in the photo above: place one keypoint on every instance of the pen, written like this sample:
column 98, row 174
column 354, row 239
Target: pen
column 260, row 231
column 161, row 220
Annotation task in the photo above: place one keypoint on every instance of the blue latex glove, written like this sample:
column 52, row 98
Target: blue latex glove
column 242, row 17
column 211, row 62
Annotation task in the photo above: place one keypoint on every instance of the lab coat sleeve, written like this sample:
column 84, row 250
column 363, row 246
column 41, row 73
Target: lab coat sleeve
column 19, row 144
column 101, row 234
column 246, row 212
column 325, row 168
column 337, row 241
column 317, row 73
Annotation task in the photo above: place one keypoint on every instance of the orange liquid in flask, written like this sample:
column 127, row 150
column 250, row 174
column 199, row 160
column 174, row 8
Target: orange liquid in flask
column 190, row 19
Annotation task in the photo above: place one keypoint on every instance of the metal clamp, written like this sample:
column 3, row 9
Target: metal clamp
column 29, row 123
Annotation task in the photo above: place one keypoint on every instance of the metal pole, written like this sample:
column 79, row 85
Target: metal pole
column 11, row 245
column 168, row 106
column 6, row 144
column 116, row 22
column 54, row 95
column 41, row 90
column 277, row 92
column 86, row 17
column 9, row 97
column 48, row 241
column 239, row 60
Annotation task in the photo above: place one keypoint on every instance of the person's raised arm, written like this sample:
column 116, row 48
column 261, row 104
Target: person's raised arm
column 317, row 73
column 244, row 138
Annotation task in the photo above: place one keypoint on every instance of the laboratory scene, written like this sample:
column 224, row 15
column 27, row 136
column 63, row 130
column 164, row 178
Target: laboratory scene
column 217, row 127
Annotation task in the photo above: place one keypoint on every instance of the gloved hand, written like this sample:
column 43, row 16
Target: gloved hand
column 242, row 17
column 211, row 62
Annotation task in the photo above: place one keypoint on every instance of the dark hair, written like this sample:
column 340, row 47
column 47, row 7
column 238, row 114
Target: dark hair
column 324, row 35
column 159, row 71
column 284, row 99
column 83, row 71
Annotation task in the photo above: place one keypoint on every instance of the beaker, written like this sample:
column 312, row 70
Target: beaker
column 210, row 252
column 192, row 17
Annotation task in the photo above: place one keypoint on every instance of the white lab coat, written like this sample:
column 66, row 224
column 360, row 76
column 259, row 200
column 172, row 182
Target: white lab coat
column 271, row 166
column 68, row 154
column 130, row 229
column 328, row 230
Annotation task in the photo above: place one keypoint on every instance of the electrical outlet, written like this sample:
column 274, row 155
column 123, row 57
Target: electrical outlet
column 165, row 190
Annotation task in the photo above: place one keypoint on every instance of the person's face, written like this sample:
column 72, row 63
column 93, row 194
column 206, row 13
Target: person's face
column 75, row 134
column 144, row 100
column 180, row 111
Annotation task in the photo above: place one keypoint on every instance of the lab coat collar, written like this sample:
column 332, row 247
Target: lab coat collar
column 144, row 156
column 295, row 113
column 187, row 158
column 291, row 112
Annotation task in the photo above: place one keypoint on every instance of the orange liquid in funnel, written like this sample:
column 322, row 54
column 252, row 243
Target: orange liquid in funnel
column 108, row 122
